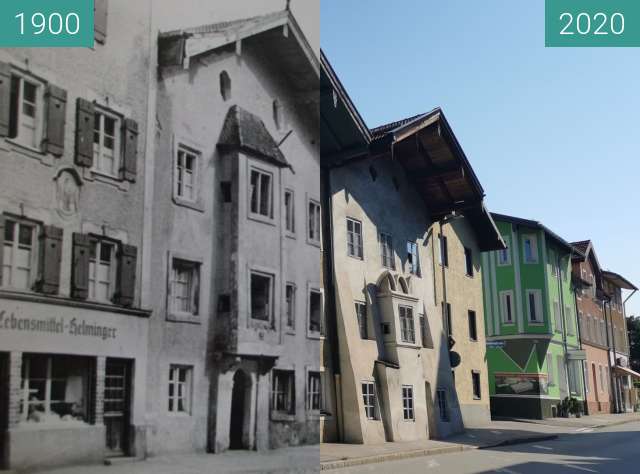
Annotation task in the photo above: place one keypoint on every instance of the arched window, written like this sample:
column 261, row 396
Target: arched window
column 225, row 85
column 277, row 114
column 404, row 287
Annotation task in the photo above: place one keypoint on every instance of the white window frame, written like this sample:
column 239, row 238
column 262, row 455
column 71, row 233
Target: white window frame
column 98, row 154
column 408, row 403
column 270, row 303
column 314, row 222
column 178, row 194
column 182, row 390
column 539, row 307
column 94, row 267
column 354, row 239
column 503, row 307
column 39, row 106
column 258, row 214
column 407, row 324
column 194, row 286
column 287, row 392
column 290, row 212
column 414, row 254
column 314, row 391
column 533, row 238
column 369, row 399
column 387, row 256
column 362, row 323
column 15, row 247
column 504, row 253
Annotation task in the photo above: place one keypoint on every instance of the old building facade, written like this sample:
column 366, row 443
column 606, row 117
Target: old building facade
column 236, row 239
column 533, row 350
column 404, row 349
column 72, row 318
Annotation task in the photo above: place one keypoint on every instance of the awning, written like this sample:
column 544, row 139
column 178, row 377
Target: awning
column 626, row 371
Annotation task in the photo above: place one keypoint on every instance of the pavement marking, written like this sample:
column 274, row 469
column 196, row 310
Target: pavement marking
column 575, row 466
column 537, row 446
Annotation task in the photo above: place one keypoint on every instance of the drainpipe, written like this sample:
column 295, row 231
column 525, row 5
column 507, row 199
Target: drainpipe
column 612, row 383
column 584, row 367
column 624, row 315
column 444, row 309
column 563, row 325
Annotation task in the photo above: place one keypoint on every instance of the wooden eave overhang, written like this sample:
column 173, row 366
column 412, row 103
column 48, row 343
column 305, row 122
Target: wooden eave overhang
column 618, row 280
column 438, row 168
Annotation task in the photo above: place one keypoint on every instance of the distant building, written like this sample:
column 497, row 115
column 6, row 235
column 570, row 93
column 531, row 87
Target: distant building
column 404, row 227
column 533, row 349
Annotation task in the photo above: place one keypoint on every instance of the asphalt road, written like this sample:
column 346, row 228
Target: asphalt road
column 609, row 451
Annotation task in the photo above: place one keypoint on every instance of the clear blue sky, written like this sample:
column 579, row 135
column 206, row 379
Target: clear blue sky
column 552, row 133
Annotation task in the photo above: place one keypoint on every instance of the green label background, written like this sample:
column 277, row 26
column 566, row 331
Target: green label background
column 10, row 25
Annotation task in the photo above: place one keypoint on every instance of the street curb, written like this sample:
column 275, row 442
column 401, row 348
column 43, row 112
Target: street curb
column 617, row 423
column 512, row 442
column 329, row 465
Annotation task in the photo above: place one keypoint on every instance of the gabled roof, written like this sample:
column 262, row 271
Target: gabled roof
column 287, row 46
column 618, row 280
column 535, row 225
column 245, row 132
column 582, row 246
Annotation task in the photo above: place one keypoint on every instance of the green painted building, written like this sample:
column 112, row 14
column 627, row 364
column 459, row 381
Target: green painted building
column 533, row 348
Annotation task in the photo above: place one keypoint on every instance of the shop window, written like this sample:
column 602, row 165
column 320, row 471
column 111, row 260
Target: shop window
column 283, row 392
column 185, row 287
column 19, row 253
column 185, row 184
column 313, row 391
column 261, row 296
column 261, row 193
column 55, row 389
column 106, row 142
column 180, row 387
column 407, row 403
column 369, row 399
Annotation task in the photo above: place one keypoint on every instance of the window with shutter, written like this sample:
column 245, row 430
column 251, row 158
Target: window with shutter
column 50, row 258
column 129, row 165
column 126, row 275
column 80, row 266
column 19, row 255
column 56, row 99
column 85, row 117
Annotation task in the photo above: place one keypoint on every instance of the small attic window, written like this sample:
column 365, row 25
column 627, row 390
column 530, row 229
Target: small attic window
column 225, row 85
column 277, row 113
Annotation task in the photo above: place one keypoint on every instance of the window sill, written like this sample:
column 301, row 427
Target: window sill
column 408, row 345
column 179, row 414
column 314, row 335
column 183, row 318
column 279, row 416
column 290, row 235
column 290, row 332
column 90, row 174
column 29, row 151
column 260, row 218
column 195, row 205
column 535, row 323
column 315, row 243
column 355, row 257
column 52, row 426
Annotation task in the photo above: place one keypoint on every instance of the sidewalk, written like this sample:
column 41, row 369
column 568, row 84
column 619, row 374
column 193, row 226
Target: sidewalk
column 497, row 433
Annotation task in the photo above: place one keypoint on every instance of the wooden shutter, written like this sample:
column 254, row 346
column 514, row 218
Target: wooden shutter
column 129, row 162
column 49, row 260
column 100, row 14
column 56, row 118
column 80, row 266
column 126, row 275
column 5, row 98
column 85, row 117
column 2, row 223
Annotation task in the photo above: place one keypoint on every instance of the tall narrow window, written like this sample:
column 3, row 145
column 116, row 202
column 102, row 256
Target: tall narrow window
column 277, row 114
column 102, row 270
column 19, row 255
column 386, row 250
column 283, row 392
column 261, row 193
column 444, row 252
column 423, row 331
column 443, row 409
column 361, row 314
column 530, row 248
column 412, row 258
column 26, row 110
column 468, row 260
column 506, row 306
column 185, row 177
column 407, row 329
column 446, row 316
column 354, row 238
column 180, row 389
column 106, row 142
column 313, row 391
column 504, row 255
column 369, row 399
column 473, row 329
column 475, row 381
column 534, row 303
column 290, row 295
column 289, row 211
column 185, row 287
column 261, row 296
column 225, row 85
column 314, row 222
column 315, row 311
column 407, row 403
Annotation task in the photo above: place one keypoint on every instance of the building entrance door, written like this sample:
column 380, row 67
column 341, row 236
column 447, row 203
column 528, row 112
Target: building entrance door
column 238, row 416
column 117, row 392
